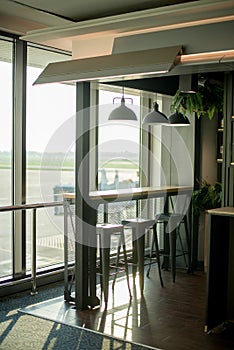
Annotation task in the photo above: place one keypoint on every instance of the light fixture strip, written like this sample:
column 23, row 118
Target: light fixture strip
column 211, row 57
column 178, row 25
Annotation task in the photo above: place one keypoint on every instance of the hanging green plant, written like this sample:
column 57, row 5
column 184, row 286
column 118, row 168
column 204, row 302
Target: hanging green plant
column 207, row 100
column 206, row 197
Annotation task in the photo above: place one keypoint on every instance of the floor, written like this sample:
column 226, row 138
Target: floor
column 166, row 318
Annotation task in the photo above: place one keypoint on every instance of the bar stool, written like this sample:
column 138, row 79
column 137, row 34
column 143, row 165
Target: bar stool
column 139, row 226
column 105, row 232
column 171, row 234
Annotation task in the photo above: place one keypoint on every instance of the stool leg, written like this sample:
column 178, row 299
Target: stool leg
column 134, row 253
column 105, row 252
column 117, row 260
column 188, row 244
column 100, row 257
column 150, row 260
column 140, row 258
column 157, row 254
column 126, row 264
column 173, row 235
column 122, row 243
column 166, row 247
column 182, row 246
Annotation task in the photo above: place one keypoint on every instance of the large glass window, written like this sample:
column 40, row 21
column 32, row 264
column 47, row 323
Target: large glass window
column 118, row 150
column 118, row 142
column 6, row 69
column 50, row 161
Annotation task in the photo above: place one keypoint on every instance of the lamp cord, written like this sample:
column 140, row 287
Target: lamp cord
column 123, row 99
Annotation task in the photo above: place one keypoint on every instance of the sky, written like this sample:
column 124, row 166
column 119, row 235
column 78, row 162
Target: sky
column 49, row 106
column 5, row 106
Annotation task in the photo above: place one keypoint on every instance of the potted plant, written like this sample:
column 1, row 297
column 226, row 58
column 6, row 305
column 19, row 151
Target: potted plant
column 207, row 100
column 206, row 197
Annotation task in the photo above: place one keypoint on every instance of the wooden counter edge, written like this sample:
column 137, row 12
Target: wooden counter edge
column 226, row 211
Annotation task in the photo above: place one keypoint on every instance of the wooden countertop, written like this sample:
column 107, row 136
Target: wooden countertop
column 225, row 211
column 134, row 193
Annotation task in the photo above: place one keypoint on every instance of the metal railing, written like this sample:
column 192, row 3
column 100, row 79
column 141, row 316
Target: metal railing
column 33, row 207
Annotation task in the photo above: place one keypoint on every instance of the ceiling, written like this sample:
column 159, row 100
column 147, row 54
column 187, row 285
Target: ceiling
column 79, row 10
column 105, row 27
column 104, row 24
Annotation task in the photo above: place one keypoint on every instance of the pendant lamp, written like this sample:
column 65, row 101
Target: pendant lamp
column 178, row 119
column 155, row 117
column 122, row 112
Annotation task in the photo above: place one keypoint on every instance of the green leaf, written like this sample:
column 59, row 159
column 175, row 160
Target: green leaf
column 206, row 101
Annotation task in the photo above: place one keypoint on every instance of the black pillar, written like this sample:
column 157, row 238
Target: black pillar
column 228, row 141
column 85, row 222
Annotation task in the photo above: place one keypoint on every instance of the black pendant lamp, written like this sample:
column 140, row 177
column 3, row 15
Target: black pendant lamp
column 178, row 119
column 122, row 112
column 155, row 117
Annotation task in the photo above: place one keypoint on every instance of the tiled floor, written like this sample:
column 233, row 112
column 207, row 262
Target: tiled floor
column 169, row 318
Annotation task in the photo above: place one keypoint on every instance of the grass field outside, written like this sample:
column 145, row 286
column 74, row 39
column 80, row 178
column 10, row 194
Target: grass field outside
column 56, row 171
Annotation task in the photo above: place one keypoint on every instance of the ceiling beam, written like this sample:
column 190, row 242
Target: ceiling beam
column 166, row 18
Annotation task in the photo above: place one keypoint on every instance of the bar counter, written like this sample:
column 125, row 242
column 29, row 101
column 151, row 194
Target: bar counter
column 85, row 254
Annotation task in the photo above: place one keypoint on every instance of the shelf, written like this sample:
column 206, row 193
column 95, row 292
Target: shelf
column 219, row 146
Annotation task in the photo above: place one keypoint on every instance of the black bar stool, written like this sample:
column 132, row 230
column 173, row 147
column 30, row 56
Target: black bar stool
column 172, row 223
column 139, row 226
column 105, row 232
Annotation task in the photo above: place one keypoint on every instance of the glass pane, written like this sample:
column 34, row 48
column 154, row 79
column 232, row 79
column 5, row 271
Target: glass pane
column 50, row 160
column 6, row 69
column 118, row 152
column 118, row 143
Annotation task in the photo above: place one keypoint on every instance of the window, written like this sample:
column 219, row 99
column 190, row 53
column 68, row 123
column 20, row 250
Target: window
column 118, row 150
column 6, row 78
column 50, row 164
column 118, row 143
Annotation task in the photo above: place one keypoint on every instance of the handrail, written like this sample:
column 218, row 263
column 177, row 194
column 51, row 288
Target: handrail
column 34, row 207
column 30, row 206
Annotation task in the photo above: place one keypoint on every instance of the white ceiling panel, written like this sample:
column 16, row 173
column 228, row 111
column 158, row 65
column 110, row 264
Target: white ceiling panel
column 132, row 65
column 78, row 10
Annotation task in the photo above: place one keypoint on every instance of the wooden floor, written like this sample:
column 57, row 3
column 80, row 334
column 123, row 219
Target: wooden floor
column 167, row 318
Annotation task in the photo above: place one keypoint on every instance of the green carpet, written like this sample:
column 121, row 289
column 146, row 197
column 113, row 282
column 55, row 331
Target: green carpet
column 28, row 332
column 21, row 331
